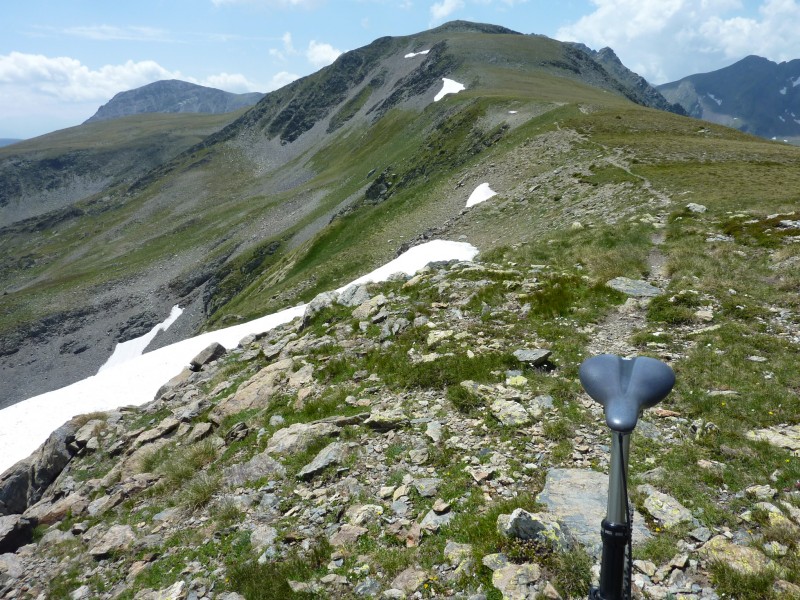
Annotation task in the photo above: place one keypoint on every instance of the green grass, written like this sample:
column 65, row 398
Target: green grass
column 270, row 580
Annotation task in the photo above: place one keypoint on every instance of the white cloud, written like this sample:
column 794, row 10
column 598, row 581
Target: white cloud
column 111, row 32
column 287, row 50
column 281, row 79
column 231, row 82
column 41, row 93
column 441, row 10
column 664, row 40
column 69, row 80
column 320, row 54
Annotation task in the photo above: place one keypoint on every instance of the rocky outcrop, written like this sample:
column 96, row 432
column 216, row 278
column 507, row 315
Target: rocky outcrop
column 25, row 483
column 15, row 531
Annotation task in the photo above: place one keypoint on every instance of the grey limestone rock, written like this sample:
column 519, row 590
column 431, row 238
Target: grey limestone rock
column 261, row 465
column 535, row 357
column 24, row 484
column 538, row 527
column 664, row 508
column 635, row 288
column 212, row 353
column 15, row 531
column 117, row 538
column 330, row 455
column 578, row 499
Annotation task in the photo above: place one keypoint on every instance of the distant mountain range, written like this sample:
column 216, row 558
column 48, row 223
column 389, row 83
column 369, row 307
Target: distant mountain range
column 173, row 96
column 754, row 95
column 8, row 141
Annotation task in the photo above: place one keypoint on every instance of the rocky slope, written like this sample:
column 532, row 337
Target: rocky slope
column 110, row 224
column 754, row 95
column 637, row 87
column 422, row 438
column 173, row 96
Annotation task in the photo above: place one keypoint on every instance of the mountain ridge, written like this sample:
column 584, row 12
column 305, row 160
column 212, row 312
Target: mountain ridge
column 755, row 95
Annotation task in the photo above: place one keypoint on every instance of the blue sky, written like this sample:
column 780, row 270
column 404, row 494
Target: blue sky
column 60, row 60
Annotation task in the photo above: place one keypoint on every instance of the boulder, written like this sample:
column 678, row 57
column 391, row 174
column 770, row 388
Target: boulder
column 409, row 580
column 537, row 527
column 331, row 454
column 117, row 539
column 261, row 465
column 210, row 354
column 368, row 308
column 256, row 392
column 15, row 531
column 664, row 508
column 24, row 484
column 354, row 295
column 742, row 559
column 317, row 305
column 299, row 436
column 509, row 413
column 47, row 513
column 386, row 420
column 347, row 535
column 535, row 357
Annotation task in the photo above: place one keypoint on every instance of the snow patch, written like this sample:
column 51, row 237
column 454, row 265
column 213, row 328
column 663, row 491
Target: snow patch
column 449, row 87
column 513, row 112
column 782, row 91
column 129, row 350
column 413, row 54
column 481, row 194
column 717, row 100
column 782, row 119
column 795, row 82
column 27, row 424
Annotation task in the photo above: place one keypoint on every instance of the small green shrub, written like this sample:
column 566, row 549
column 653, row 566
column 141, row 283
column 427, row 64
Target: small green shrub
column 730, row 583
column 464, row 400
column 199, row 491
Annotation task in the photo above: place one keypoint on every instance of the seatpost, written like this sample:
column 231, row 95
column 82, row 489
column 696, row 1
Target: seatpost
column 623, row 387
column 616, row 528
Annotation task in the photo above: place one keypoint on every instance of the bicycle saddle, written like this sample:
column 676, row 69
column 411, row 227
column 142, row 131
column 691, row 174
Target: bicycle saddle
column 624, row 386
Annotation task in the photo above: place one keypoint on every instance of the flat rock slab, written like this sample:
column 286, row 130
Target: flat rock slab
column 635, row 288
column 578, row 498
column 536, row 357
column 781, row 436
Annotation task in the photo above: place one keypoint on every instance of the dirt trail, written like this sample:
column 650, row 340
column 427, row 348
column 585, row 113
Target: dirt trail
column 612, row 336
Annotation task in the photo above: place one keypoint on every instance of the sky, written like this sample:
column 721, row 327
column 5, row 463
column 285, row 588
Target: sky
column 61, row 60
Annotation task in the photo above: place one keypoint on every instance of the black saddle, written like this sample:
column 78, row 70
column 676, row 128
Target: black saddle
column 624, row 386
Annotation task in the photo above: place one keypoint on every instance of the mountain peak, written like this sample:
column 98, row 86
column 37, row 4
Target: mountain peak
column 173, row 96
column 469, row 26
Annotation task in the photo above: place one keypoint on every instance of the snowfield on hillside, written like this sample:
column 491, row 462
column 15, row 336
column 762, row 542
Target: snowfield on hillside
column 449, row 86
column 481, row 194
column 135, row 381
